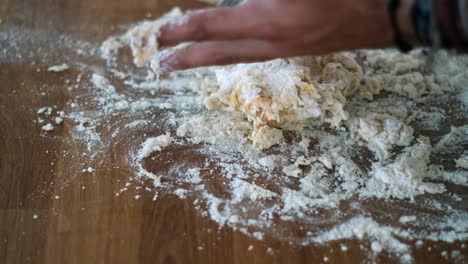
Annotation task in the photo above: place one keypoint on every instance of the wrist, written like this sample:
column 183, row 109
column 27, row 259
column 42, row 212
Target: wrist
column 376, row 25
column 405, row 21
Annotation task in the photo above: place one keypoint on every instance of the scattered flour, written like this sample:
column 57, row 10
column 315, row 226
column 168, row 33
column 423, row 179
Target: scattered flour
column 45, row 110
column 462, row 162
column 403, row 178
column 154, row 144
column 452, row 141
column 360, row 227
column 243, row 190
column 335, row 101
column 324, row 143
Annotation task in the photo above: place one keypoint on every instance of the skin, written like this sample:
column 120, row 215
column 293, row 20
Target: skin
column 261, row 30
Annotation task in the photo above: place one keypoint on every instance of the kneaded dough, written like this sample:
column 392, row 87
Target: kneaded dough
column 286, row 94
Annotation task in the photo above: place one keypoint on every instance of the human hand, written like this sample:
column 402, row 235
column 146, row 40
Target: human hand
column 261, row 30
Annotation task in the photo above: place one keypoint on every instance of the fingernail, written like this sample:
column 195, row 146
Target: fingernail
column 161, row 63
column 165, row 67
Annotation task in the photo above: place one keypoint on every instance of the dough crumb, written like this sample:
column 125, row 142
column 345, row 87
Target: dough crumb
column 45, row 110
column 48, row 127
column 376, row 246
column 58, row 120
column 154, row 144
column 407, row 218
column 59, row 68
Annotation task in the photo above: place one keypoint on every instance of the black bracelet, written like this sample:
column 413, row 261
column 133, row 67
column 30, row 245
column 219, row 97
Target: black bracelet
column 423, row 21
column 400, row 42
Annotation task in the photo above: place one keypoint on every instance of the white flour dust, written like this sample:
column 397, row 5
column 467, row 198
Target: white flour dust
column 369, row 145
column 291, row 138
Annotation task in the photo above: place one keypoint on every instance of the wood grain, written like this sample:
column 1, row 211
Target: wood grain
column 88, row 223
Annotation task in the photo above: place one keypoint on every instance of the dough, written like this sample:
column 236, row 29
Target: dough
column 285, row 94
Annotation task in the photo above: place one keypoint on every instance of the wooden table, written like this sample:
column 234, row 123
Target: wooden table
column 48, row 217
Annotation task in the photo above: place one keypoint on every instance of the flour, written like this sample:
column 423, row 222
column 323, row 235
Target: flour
column 403, row 178
column 429, row 120
column 462, row 162
column 382, row 131
column 360, row 227
column 292, row 170
column 243, row 190
column 335, row 148
column 111, row 46
column 269, row 162
column 454, row 140
column 45, row 110
column 154, row 144
column 459, row 177
column 194, row 176
column 48, row 127
column 398, row 73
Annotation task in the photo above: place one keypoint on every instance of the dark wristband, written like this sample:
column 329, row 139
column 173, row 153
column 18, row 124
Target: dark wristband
column 400, row 42
column 422, row 21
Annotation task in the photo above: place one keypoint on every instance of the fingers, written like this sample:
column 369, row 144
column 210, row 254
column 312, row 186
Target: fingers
column 225, row 23
column 219, row 53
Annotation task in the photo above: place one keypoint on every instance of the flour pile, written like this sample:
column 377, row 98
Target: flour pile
column 348, row 145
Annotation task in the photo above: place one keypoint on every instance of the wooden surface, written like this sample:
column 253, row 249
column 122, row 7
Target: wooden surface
column 80, row 219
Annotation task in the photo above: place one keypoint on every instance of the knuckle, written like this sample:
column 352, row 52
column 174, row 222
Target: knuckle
column 199, row 31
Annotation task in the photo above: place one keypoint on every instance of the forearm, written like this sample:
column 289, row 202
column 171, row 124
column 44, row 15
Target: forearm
column 405, row 21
